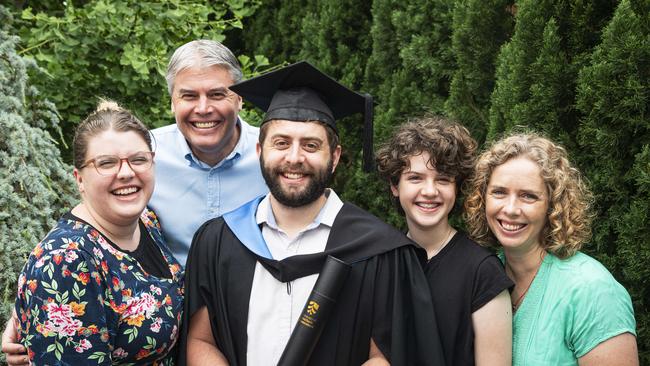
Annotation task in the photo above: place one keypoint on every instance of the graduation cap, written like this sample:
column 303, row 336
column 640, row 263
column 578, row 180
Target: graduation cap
column 300, row 92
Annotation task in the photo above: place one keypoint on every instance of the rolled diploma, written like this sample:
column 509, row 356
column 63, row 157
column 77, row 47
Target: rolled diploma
column 314, row 316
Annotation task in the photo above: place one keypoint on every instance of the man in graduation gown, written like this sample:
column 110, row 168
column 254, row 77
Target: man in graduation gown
column 250, row 271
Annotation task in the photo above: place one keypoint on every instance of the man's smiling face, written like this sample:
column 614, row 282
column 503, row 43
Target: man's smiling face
column 296, row 160
column 206, row 111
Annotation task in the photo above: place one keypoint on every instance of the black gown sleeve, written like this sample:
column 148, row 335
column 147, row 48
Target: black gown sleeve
column 218, row 275
column 404, row 324
column 196, row 263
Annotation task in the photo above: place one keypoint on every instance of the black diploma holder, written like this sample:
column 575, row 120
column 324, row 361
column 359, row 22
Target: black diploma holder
column 314, row 316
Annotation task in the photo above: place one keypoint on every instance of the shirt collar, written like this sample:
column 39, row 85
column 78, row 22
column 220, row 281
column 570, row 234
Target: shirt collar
column 326, row 215
column 242, row 143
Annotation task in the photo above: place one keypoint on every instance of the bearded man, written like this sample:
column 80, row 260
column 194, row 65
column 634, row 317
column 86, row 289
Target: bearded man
column 250, row 271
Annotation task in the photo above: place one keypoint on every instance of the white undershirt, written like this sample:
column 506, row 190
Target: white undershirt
column 274, row 307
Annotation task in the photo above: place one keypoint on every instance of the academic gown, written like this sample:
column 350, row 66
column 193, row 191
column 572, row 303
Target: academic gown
column 385, row 297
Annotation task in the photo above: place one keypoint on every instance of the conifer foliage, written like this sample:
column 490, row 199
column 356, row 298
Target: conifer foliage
column 614, row 97
column 276, row 29
column 35, row 185
column 537, row 69
column 479, row 28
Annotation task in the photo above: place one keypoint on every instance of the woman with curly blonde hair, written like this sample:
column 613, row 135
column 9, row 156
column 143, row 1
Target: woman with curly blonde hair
column 425, row 162
column 526, row 198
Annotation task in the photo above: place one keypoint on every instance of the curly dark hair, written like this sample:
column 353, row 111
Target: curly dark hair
column 451, row 149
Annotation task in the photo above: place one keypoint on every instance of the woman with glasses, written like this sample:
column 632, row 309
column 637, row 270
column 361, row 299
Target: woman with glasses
column 102, row 287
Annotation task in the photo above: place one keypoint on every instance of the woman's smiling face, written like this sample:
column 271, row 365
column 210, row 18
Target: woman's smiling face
column 119, row 198
column 516, row 204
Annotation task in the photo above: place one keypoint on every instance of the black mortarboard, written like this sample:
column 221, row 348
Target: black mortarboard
column 300, row 92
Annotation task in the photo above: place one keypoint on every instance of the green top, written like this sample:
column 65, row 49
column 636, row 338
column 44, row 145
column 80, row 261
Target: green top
column 572, row 305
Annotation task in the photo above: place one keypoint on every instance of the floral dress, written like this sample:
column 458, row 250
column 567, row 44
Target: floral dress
column 83, row 302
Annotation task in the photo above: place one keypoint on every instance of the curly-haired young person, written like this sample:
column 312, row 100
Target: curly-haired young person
column 425, row 163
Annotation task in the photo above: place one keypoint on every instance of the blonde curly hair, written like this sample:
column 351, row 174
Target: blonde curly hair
column 570, row 201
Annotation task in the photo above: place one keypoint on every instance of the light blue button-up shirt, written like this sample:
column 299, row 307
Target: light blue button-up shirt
column 189, row 192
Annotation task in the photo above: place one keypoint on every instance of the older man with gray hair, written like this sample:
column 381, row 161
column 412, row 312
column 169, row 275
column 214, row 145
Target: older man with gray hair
column 206, row 164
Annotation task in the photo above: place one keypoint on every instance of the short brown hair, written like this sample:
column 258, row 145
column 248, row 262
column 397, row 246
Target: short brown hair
column 570, row 201
column 108, row 115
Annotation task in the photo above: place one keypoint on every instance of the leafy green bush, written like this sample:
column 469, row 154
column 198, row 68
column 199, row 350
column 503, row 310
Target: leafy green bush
column 119, row 49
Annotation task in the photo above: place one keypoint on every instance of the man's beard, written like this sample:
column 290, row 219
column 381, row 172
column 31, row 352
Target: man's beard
column 317, row 183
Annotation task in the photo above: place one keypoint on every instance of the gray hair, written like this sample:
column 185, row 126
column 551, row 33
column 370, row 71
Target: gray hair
column 202, row 53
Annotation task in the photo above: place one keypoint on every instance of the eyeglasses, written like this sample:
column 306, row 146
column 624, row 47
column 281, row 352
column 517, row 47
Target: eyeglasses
column 108, row 165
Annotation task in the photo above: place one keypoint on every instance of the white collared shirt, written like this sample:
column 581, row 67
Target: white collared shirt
column 274, row 306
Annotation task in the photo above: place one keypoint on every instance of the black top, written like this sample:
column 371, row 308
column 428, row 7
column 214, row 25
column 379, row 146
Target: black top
column 147, row 253
column 463, row 277
column 384, row 298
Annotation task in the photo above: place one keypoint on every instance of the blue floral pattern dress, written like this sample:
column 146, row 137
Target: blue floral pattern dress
column 83, row 302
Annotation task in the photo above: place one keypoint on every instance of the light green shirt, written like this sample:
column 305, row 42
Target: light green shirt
column 572, row 305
